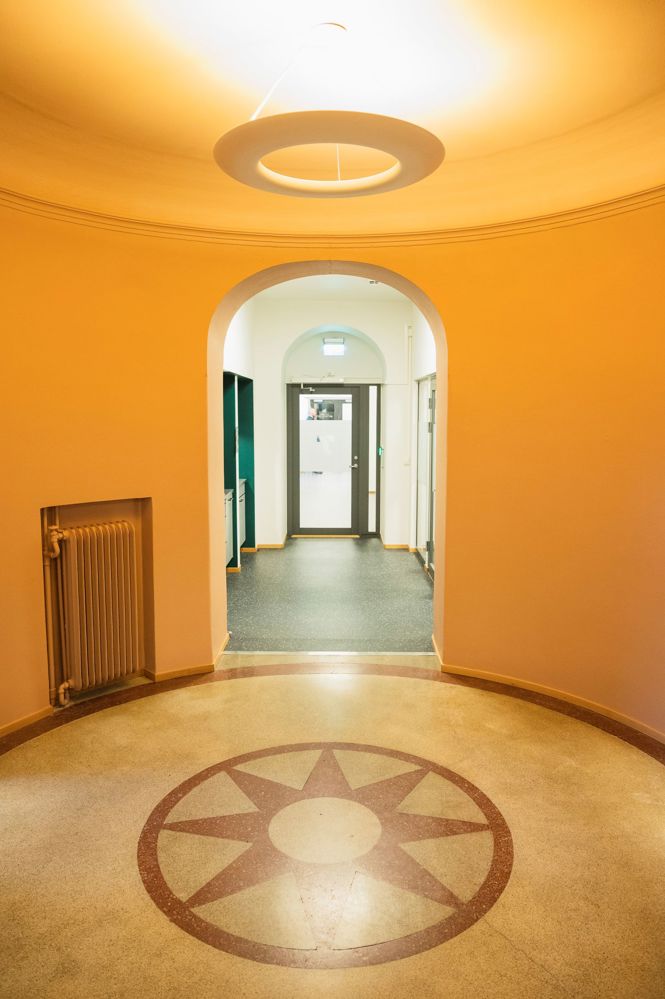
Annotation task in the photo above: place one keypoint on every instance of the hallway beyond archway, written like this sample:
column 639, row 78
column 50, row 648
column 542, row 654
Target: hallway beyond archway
column 336, row 595
column 229, row 306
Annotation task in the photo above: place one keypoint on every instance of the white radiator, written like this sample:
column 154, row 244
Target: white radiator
column 98, row 603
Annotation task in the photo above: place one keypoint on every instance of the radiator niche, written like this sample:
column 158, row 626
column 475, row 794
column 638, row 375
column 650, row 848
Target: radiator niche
column 97, row 560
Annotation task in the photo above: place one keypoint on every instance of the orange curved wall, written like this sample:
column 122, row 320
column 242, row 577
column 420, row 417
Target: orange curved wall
column 556, row 478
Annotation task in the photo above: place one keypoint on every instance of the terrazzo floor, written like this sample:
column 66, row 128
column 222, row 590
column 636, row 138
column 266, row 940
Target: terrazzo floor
column 330, row 595
column 338, row 835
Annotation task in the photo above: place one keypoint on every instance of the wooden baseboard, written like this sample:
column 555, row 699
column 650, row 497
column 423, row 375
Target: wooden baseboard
column 173, row 674
column 26, row 720
column 560, row 695
column 271, row 547
column 233, row 568
column 249, row 551
column 402, row 548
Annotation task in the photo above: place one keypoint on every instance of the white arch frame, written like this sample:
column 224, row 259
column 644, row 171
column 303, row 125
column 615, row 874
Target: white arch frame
column 219, row 325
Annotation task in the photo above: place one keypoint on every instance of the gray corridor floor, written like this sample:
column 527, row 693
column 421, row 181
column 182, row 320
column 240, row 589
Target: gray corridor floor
column 337, row 595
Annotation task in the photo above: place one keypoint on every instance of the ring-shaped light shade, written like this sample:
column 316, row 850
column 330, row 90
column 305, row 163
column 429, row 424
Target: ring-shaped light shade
column 239, row 153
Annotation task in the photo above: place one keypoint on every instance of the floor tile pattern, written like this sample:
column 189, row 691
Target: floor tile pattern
column 325, row 855
column 330, row 595
column 583, row 914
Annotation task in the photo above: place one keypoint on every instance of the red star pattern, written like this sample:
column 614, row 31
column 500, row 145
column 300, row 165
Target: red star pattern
column 324, row 888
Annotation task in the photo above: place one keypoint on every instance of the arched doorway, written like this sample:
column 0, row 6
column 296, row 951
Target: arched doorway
column 341, row 496
column 219, row 326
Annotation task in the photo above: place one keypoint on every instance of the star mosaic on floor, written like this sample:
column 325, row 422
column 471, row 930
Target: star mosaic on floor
column 325, row 855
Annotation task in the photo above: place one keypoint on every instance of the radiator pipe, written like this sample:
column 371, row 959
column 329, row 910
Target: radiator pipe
column 63, row 694
column 47, row 560
column 50, row 639
column 55, row 536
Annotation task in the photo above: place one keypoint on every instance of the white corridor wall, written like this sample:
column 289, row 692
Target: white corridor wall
column 258, row 346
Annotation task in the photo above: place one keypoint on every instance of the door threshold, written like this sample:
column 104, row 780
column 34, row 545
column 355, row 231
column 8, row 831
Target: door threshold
column 315, row 537
column 328, row 652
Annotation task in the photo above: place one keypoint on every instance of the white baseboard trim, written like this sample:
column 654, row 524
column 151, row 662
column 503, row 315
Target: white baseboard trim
column 218, row 657
column 437, row 652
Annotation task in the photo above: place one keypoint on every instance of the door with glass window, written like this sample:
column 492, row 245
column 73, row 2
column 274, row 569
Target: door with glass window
column 328, row 458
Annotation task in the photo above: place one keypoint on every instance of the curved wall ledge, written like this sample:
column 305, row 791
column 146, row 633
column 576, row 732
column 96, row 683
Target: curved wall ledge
column 544, row 695
column 650, row 742
column 549, row 697
column 143, row 227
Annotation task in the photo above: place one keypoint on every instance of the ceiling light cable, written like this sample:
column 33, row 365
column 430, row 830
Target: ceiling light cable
column 277, row 82
column 313, row 39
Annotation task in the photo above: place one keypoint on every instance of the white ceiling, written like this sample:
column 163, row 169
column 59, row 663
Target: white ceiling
column 543, row 106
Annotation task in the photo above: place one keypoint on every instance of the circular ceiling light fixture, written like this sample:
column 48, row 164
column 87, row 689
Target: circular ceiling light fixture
column 240, row 153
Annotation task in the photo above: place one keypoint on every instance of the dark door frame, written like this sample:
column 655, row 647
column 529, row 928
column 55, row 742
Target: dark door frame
column 428, row 561
column 359, row 446
column 432, row 463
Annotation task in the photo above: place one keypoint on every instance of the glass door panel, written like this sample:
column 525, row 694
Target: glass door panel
column 326, row 460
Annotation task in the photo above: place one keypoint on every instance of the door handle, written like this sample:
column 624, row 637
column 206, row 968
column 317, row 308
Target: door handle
column 354, row 466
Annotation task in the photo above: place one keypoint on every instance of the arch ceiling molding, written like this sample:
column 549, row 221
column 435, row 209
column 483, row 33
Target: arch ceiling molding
column 325, row 242
column 551, row 113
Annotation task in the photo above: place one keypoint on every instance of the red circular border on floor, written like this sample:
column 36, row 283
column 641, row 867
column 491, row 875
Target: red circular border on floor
column 464, row 914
